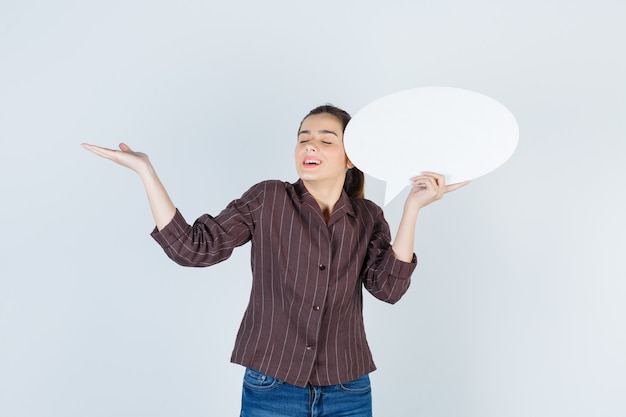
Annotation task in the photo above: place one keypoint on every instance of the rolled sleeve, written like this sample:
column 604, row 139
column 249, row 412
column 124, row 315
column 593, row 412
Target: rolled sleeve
column 386, row 277
column 390, row 279
column 210, row 240
column 397, row 268
column 172, row 232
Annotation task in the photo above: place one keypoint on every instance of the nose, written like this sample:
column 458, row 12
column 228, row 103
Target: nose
column 310, row 146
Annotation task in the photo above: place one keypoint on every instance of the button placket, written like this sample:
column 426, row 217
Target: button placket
column 317, row 307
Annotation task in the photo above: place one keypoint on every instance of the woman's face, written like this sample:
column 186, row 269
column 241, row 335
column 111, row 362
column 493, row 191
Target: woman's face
column 320, row 155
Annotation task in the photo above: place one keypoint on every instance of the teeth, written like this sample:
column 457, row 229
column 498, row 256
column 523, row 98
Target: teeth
column 312, row 162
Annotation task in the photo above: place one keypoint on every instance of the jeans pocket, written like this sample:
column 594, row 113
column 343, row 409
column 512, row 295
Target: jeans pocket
column 358, row 386
column 257, row 381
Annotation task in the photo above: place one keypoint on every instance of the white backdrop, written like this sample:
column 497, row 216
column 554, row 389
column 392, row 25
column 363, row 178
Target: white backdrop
column 517, row 307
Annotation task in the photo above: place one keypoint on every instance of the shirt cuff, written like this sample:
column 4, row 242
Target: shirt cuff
column 172, row 231
column 398, row 268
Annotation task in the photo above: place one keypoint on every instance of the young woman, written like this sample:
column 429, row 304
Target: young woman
column 314, row 245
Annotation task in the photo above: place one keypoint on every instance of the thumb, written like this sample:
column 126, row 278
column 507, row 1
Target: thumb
column 124, row 147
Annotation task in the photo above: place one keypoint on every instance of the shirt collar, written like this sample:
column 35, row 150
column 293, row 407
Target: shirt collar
column 343, row 205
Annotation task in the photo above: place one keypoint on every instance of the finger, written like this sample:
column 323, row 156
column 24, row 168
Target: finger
column 440, row 179
column 423, row 181
column 438, row 183
column 91, row 147
column 425, row 185
column 124, row 147
column 100, row 151
column 456, row 186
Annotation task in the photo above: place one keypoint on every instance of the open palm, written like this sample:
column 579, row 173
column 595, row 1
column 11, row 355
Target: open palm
column 125, row 156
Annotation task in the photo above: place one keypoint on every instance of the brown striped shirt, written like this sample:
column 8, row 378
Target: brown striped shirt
column 304, row 321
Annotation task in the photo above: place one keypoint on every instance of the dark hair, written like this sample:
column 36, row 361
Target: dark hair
column 354, row 184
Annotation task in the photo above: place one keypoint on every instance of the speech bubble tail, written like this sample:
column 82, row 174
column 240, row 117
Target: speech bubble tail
column 392, row 189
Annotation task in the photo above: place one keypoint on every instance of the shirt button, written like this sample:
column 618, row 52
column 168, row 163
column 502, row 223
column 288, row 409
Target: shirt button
column 316, row 308
column 310, row 347
column 322, row 267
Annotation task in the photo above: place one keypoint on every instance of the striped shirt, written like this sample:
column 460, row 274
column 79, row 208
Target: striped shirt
column 304, row 322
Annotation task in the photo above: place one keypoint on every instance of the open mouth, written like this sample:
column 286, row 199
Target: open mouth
column 311, row 162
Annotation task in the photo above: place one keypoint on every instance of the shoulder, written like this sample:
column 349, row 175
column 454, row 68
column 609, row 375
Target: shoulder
column 267, row 189
column 272, row 186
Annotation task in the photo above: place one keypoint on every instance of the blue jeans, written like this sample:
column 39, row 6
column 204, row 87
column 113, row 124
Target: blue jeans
column 264, row 396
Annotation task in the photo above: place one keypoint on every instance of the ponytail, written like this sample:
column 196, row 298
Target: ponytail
column 354, row 185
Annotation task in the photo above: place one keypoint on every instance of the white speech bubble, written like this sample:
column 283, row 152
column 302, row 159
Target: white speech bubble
column 455, row 132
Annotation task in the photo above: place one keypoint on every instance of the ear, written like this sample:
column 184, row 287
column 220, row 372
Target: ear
column 349, row 163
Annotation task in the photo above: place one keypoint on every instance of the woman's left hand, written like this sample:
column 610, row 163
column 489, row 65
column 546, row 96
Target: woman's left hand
column 429, row 187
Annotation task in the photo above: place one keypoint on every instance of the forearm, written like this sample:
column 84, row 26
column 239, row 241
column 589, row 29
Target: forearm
column 161, row 205
column 405, row 237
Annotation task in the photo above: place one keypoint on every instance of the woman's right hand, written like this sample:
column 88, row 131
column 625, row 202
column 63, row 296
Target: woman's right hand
column 163, row 210
column 137, row 161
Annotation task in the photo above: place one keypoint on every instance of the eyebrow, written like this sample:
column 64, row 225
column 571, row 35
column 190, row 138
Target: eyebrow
column 322, row 132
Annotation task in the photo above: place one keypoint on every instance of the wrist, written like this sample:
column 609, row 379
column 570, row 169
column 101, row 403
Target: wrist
column 146, row 171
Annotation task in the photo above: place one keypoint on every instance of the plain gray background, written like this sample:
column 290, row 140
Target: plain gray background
column 517, row 306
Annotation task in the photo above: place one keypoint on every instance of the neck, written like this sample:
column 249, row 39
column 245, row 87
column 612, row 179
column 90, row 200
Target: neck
column 325, row 196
